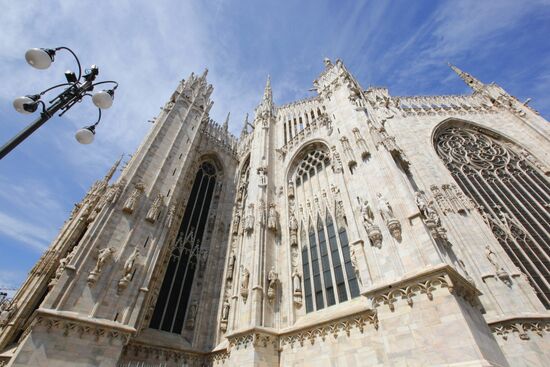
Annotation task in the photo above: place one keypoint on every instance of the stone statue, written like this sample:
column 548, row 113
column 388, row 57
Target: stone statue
column 425, row 208
column 272, row 279
column 231, row 265
column 131, row 202
column 154, row 211
column 62, row 265
column 245, row 279
column 128, row 269
column 191, row 315
column 236, row 221
column 225, row 310
column 171, row 215
column 296, row 282
column 272, row 217
column 327, row 62
column 366, row 213
column 262, row 173
column 104, row 256
column 7, row 309
column 385, row 208
column 249, row 219
column 290, row 189
column 293, row 227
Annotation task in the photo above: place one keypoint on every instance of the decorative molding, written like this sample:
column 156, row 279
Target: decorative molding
column 442, row 276
column 72, row 325
column 335, row 328
column 525, row 327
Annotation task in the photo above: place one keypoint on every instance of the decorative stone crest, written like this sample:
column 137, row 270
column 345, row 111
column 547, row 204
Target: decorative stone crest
column 129, row 266
column 154, row 211
column 131, row 203
column 104, row 256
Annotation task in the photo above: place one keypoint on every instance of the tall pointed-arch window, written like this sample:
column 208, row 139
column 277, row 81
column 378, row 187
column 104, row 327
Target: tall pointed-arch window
column 328, row 274
column 176, row 287
column 512, row 194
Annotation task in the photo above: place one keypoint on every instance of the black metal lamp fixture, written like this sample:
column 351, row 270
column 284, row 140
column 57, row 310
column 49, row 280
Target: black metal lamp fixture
column 76, row 88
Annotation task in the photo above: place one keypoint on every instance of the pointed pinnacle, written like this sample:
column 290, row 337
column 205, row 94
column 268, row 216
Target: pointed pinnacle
column 226, row 123
column 112, row 170
column 244, row 131
column 467, row 78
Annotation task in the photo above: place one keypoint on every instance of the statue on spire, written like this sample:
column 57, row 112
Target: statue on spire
column 112, row 170
column 226, row 123
column 265, row 109
column 244, row 131
column 472, row 82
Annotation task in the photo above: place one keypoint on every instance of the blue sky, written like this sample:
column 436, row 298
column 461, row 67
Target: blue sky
column 148, row 46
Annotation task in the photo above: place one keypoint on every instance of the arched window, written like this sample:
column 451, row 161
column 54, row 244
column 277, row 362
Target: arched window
column 512, row 195
column 328, row 273
column 173, row 298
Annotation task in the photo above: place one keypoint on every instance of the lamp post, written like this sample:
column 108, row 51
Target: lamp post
column 76, row 88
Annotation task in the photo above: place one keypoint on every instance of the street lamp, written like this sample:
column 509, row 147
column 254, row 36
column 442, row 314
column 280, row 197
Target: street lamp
column 76, row 88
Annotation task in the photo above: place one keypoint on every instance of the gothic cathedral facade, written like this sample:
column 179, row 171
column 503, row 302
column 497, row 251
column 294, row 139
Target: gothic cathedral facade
column 354, row 228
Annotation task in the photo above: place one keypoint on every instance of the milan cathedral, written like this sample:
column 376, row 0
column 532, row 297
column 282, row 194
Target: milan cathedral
column 353, row 228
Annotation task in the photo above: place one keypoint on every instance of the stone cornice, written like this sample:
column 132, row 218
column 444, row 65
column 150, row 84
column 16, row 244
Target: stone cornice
column 521, row 325
column 423, row 282
column 73, row 324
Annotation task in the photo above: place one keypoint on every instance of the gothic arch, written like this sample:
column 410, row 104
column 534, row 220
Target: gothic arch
column 509, row 189
column 318, row 229
column 302, row 150
column 187, row 255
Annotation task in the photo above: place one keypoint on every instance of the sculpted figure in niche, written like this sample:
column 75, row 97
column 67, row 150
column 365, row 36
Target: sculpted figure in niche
column 385, row 208
column 104, row 255
column 225, row 310
column 131, row 202
column 231, row 265
column 245, row 279
column 154, row 211
column 272, row 217
column 7, row 309
column 290, row 189
column 425, row 208
column 293, row 227
column 128, row 269
column 236, row 220
column 192, row 314
column 366, row 213
column 296, row 283
column 170, row 217
column 272, row 279
column 62, row 265
column 249, row 219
